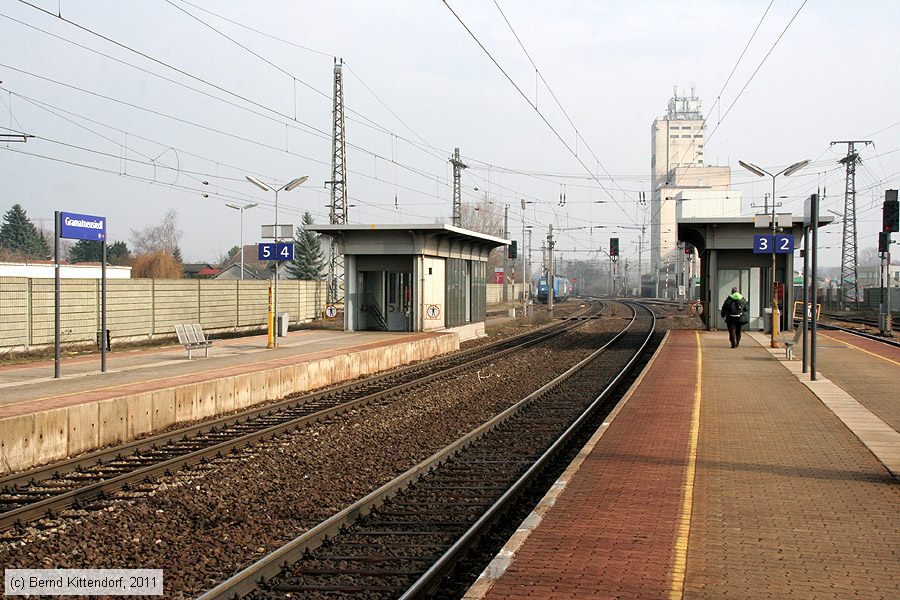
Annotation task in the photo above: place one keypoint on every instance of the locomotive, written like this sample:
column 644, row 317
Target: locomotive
column 562, row 287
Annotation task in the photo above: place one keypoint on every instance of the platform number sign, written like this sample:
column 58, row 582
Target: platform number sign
column 784, row 244
column 766, row 244
column 279, row 251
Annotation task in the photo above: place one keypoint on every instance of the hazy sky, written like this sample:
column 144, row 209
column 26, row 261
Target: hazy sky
column 132, row 138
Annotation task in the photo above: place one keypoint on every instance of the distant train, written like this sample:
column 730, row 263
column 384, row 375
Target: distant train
column 562, row 287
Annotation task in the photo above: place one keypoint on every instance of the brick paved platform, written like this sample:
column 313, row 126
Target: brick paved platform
column 749, row 485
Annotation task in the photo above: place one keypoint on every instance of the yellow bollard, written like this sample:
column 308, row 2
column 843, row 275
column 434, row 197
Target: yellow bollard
column 271, row 341
column 776, row 318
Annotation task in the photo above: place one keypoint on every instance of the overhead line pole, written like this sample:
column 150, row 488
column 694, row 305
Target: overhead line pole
column 849, row 244
column 458, row 166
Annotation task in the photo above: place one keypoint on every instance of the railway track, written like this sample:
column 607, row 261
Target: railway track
column 83, row 483
column 406, row 538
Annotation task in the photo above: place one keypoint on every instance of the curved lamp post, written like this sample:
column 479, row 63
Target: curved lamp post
column 787, row 172
column 273, row 306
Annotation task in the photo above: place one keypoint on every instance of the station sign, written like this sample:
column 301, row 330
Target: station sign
column 279, row 251
column 766, row 244
column 74, row 226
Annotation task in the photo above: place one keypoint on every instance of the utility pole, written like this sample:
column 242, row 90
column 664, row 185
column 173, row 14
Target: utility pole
column 338, row 212
column 524, row 265
column 458, row 166
column 527, row 276
column 849, row 246
column 506, row 255
column 551, row 279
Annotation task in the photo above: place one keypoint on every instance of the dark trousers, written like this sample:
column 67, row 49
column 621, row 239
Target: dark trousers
column 734, row 332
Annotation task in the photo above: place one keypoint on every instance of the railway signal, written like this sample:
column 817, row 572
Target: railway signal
column 891, row 212
column 614, row 247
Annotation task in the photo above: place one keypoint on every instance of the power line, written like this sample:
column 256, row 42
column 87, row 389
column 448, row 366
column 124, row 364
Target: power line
column 532, row 105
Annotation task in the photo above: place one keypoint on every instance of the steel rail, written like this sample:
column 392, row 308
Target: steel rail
column 432, row 577
column 269, row 566
column 470, row 359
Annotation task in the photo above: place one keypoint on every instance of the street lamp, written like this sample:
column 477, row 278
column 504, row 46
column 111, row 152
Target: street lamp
column 273, row 306
column 242, row 209
column 787, row 172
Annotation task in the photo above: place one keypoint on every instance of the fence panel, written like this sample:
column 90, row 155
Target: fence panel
column 176, row 301
column 129, row 307
column 218, row 308
column 14, row 299
column 143, row 307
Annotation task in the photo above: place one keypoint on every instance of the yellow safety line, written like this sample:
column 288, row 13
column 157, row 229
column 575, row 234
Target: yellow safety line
column 861, row 349
column 684, row 519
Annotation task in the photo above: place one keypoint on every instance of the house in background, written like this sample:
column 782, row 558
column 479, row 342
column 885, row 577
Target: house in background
column 253, row 268
column 198, row 271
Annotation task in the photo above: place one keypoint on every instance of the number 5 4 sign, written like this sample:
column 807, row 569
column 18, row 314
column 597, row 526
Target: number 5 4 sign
column 280, row 251
column 765, row 244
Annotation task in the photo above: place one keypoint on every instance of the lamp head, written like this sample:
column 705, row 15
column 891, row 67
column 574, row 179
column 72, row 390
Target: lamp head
column 291, row 185
column 258, row 183
column 752, row 168
column 795, row 167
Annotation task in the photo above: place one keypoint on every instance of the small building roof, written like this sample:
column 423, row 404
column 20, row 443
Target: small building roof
column 418, row 227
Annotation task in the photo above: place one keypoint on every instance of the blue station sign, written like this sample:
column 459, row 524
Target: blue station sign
column 81, row 227
column 765, row 244
column 279, row 251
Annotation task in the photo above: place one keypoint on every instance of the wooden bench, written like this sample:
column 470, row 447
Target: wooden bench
column 192, row 337
column 789, row 343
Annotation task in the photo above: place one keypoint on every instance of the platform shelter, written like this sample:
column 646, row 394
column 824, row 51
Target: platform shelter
column 725, row 247
column 414, row 277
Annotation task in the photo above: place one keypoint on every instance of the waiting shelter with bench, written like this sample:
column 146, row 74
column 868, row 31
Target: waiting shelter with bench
column 414, row 277
column 725, row 247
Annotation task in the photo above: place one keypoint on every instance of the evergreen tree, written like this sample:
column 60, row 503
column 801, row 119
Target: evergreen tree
column 177, row 255
column 309, row 260
column 92, row 251
column 18, row 234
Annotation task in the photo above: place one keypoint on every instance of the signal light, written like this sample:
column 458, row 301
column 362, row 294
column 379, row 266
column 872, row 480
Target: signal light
column 513, row 250
column 614, row 247
column 884, row 241
column 891, row 211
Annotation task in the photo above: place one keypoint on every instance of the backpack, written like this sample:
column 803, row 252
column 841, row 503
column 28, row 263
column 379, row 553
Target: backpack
column 745, row 311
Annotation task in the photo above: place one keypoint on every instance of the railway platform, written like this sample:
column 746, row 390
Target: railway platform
column 145, row 391
column 726, row 473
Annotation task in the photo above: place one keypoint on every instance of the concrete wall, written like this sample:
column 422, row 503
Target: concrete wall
column 495, row 293
column 144, row 308
column 30, row 440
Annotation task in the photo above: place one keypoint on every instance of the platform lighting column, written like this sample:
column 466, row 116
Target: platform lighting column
column 273, row 339
column 805, row 322
column 550, row 276
column 524, row 271
column 787, row 172
column 242, row 209
column 814, row 214
column 506, row 256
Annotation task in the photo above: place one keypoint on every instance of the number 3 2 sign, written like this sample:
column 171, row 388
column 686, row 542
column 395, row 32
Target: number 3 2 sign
column 763, row 244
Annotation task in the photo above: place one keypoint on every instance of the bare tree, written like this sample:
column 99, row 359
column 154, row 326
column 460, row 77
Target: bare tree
column 163, row 237
column 486, row 216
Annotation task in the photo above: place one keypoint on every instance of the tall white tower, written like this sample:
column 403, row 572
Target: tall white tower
column 676, row 161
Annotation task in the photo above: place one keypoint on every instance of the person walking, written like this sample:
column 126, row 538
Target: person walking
column 733, row 313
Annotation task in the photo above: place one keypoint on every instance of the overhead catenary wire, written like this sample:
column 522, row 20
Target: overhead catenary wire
column 533, row 105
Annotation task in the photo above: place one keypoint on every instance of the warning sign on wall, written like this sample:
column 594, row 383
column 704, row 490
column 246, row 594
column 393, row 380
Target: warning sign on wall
column 433, row 311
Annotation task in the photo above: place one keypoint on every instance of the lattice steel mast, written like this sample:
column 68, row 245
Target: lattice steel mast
column 458, row 166
column 849, row 245
column 338, row 212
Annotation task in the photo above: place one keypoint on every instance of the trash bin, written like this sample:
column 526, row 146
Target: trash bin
column 767, row 320
column 281, row 324
column 108, row 338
